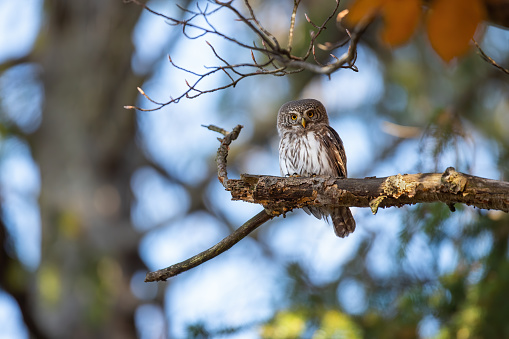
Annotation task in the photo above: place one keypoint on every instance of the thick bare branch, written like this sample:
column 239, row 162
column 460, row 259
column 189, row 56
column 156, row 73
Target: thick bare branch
column 281, row 195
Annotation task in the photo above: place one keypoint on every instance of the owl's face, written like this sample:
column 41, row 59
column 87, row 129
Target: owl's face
column 301, row 115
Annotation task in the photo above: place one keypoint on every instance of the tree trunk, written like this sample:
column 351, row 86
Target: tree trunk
column 86, row 151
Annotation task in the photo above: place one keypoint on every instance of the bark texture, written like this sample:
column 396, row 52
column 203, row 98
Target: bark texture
column 280, row 195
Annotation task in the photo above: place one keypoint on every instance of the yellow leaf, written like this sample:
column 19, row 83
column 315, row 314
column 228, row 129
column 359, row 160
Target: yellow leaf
column 285, row 325
column 50, row 284
column 401, row 18
column 363, row 10
column 335, row 324
column 451, row 25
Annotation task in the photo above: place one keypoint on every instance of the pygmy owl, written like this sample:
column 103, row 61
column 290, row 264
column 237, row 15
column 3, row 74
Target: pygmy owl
column 309, row 146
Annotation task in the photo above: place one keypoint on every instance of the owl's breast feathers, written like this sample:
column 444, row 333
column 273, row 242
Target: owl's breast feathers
column 318, row 151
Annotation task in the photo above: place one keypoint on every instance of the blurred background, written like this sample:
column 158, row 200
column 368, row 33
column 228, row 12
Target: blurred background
column 93, row 195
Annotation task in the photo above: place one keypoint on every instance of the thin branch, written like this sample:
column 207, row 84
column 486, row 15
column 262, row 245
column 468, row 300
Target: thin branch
column 260, row 27
column 222, row 246
column 222, row 152
column 227, row 243
column 311, row 22
column 316, row 59
column 193, row 91
column 489, row 59
column 260, row 32
column 280, row 59
column 217, row 129
column 292, row 24
column 347, row 60
column 319, row 29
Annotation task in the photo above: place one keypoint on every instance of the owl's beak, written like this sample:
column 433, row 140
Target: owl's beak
column 303, row 122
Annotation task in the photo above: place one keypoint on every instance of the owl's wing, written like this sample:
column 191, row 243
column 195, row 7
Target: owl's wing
column 335, row 149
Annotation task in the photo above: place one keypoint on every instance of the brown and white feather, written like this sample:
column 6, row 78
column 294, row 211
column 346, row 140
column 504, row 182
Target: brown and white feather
column 312, row 147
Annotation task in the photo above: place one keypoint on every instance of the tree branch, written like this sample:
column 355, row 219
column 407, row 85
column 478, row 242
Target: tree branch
column 222, row 246
column 278, row 61
column 222, row 152
column 225, row 244
column 280, row 195
column 488, row 59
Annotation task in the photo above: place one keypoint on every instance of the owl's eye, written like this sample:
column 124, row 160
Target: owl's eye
column 310, row 114
column 294, row 116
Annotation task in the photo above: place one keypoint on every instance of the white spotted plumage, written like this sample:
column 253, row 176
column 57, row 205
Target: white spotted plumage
column 309, row 146
column 305, row 157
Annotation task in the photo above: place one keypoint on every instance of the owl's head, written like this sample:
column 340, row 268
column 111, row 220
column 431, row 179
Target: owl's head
column 301, row 115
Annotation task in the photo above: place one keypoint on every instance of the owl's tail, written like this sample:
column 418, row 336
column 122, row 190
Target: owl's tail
column 343, row 221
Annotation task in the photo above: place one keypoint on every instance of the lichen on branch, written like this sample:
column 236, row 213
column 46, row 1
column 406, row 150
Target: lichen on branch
column 285, row 194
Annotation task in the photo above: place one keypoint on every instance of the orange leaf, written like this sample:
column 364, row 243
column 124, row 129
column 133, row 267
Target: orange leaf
column 401, row 18
column 363, row 10
column 451, row 25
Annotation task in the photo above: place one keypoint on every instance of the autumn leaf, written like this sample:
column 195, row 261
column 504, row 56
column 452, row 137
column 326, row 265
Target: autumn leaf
column 401, row 18
column 363, row 10
column 451, row 25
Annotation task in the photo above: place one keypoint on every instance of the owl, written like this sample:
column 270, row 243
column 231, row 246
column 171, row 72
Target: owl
column 309, row 146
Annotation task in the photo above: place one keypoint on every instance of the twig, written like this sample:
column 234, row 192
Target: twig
column 281, row 59
column 222, row 152
column 292, row 24
column 489, row 59
column 319, row 29
column 267, row 38
column 260, row 27
column 347, row 60
column 216, row 129
column 193, row 91
column 222, row 246
column 227, row 243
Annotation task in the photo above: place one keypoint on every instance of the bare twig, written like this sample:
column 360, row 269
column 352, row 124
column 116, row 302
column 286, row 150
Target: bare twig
column 320, row 29
column 227, row 243
column 489, row 59
column 260, row 27
column 222, row 246
column 279, row 61
column 347, row 60
column 222, row 152
column 216, row 129
column 193, row 91
column 292, row 24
